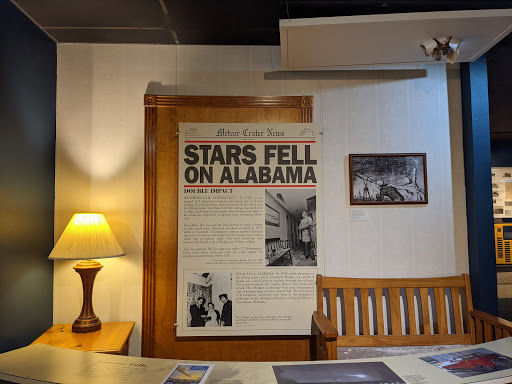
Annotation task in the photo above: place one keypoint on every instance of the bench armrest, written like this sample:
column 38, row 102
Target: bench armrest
column 489, row 327
column 324, row 326
column 325, row 338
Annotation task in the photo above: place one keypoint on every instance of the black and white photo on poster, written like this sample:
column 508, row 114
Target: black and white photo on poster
column 388, row 179
column 209, row 297
column 293, row 240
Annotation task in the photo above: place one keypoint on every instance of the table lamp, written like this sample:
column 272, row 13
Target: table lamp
column 87, row 236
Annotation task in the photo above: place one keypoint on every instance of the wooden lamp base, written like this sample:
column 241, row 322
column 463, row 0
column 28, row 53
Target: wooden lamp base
column 87, row 321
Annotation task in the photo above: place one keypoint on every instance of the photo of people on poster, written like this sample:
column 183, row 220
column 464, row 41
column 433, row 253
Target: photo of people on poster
column 209, row 305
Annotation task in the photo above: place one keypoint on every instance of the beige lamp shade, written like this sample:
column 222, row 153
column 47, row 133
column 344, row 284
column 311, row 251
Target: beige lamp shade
column 87, row 236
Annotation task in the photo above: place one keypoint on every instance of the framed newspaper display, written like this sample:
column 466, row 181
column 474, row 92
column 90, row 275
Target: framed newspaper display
column 163, row 115
column 249, row 228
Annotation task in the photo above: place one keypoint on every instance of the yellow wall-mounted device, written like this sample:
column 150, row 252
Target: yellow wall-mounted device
column 503, row 242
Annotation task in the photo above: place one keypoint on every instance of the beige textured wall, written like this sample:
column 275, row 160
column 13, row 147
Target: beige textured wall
column 460, row 228
column 100, row 159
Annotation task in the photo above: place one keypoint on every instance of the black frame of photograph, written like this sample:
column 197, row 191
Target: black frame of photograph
column 424, row 190
column 273, row 223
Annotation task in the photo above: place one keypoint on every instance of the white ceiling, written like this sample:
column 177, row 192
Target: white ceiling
column 352, row 41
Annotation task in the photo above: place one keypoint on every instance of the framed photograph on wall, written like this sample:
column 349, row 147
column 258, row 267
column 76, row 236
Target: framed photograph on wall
column 271, row 216
column 388, row 179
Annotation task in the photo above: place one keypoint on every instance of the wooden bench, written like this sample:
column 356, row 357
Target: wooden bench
column 276, row 249
column 399, row 312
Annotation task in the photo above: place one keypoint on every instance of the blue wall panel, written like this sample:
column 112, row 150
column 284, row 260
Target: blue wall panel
column 28, row 65
column 477, row 167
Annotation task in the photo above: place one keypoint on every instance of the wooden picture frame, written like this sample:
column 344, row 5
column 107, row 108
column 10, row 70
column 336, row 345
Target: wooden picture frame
column 388, row 179
column 162, row 117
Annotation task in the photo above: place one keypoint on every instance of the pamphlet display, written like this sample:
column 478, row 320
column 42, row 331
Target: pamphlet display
column 501, row 192
column 249, row 228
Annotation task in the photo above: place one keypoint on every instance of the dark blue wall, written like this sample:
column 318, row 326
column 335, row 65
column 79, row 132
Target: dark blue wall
column 500, row 102
column 477, row 169
column 28, row 65
column 501, row 151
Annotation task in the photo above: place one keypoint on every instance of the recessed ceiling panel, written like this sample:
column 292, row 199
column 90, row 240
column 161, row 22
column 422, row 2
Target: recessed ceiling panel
column 227, row 22
column 228, row 37
column 308, row 44
column 111, row 36
column 94, row 13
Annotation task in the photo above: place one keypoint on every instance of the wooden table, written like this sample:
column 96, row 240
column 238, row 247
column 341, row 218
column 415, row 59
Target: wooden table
column 113, row 338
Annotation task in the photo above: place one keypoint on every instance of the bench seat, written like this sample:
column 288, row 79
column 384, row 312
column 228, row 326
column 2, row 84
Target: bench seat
column 399, row 312
column 350, row 353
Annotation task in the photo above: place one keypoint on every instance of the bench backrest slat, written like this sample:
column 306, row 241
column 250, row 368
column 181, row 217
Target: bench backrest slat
column 439, row 295
column 332, row 305
column 348, row 301
column 380, row 310
column 391, row 311
column 457, row 314
column 365, row 313
column 425, row 311
column 394, row 306
column 411, row 310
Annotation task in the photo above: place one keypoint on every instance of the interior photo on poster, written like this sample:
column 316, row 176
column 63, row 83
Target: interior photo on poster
column 290, row 227
column 351, row 373
column 471, row 362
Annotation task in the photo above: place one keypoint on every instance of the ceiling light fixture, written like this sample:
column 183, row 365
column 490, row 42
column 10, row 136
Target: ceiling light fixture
column 442, row 47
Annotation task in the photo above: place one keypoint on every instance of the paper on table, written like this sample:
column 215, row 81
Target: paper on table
column 189, row 373
column 413, row 369
column 44, row 363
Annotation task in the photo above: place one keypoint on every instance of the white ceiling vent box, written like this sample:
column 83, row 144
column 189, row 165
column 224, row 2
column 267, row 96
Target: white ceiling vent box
column 352, row 41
